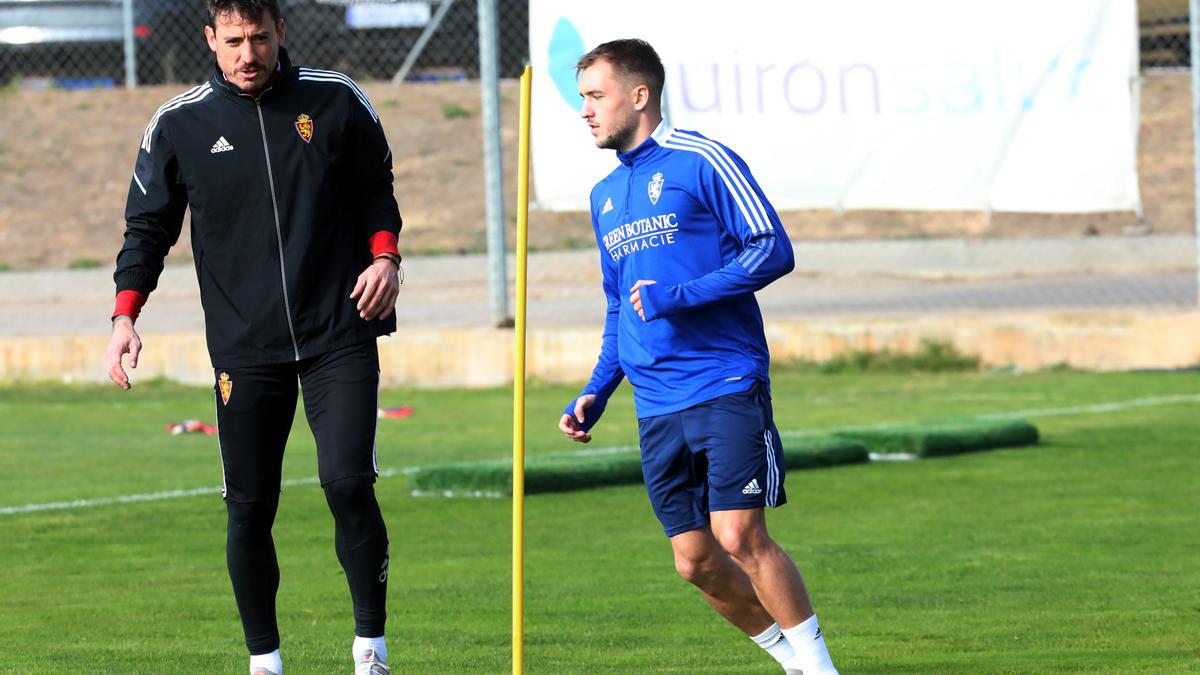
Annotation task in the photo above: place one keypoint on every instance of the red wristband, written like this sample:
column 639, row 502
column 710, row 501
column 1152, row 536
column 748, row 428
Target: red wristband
column 383, row 242
column 129, row 303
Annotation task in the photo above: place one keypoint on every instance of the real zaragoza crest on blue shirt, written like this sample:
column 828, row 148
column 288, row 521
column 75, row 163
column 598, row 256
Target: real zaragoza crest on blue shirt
column 655, row 187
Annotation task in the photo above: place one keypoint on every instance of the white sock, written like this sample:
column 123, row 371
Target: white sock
column 271, row 662
column 363, row 645
column 808, row 643
column 775, row 643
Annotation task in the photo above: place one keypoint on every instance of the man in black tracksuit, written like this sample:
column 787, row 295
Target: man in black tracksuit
column 294, row 228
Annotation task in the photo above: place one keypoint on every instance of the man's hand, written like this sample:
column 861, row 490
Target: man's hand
column 636, row 296
column 377, row 289
column 568, row 424
column 124, row 341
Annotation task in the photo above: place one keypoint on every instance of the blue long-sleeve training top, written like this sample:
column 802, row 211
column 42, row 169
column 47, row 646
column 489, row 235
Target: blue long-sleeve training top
column 683, row 211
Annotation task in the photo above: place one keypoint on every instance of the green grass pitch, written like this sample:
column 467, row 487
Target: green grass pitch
column 1077, row 555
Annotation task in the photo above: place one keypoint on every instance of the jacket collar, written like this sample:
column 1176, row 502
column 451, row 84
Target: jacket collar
column 649, row 147
column 283, row 73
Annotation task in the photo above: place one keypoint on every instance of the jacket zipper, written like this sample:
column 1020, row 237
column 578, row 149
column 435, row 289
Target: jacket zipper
column 628, row 191
column 287, row 306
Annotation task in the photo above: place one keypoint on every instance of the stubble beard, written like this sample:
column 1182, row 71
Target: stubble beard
column 620, row 139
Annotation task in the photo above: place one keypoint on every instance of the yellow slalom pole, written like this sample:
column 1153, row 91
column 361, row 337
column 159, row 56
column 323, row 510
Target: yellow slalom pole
column 518, row 489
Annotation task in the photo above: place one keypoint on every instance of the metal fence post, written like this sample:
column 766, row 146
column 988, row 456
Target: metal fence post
column 489, row 84
column 419, row 46
column 130, row 46
column 1194, row 23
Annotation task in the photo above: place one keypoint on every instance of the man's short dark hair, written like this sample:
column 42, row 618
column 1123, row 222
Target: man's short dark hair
column 250, row 9
column 630, row 59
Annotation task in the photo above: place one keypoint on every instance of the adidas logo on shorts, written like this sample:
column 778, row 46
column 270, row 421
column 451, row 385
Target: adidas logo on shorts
column 752, row 488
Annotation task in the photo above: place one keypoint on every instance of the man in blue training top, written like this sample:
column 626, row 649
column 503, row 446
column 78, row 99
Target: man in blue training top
column 686, row 237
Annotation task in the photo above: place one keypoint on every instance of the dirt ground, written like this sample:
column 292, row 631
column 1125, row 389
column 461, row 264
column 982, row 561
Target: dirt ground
column 66, row 158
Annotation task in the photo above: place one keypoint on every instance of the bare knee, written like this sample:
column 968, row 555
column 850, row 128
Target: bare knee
column 746, row 543
column 700, row 560
column 696, row 569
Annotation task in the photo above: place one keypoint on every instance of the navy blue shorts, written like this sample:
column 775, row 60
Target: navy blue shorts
column 720, row 455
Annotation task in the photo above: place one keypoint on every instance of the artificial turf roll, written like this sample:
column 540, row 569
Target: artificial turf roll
column 463, row 479
column 562, row 473
column 941, row 438
column 813, row 452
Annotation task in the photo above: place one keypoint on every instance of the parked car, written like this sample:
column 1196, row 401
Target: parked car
column 171, row 44
column 365, row 39
column 368, row 39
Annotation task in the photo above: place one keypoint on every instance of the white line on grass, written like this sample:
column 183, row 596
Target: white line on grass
column 893, row 457
column 1093, row 409
column 105, row 501
column 481, row 494
column 158, row 496
column 1097, row 407
column 611, row 450
column 589, row 452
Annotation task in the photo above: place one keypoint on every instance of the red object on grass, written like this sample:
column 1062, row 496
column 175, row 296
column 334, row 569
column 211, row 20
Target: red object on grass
column 396, row 412
column 191, row 427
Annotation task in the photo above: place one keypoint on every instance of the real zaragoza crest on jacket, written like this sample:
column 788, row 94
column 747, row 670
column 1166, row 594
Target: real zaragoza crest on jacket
column 304, row 127
column 654, row 189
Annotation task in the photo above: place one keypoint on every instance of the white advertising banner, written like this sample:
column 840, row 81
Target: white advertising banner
column 1024, row 105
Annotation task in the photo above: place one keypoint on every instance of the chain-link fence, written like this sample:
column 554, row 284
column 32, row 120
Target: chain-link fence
column 370, row 39
column 1163, row 31
column 83, row 42
column 951, row 260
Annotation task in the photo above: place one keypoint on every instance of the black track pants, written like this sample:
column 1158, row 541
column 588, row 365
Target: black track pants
column 255, row 409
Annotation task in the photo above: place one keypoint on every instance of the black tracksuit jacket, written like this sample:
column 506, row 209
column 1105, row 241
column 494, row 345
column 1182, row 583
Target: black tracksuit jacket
column 280, row 222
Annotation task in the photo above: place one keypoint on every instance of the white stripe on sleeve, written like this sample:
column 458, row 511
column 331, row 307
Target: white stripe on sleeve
column 313, row 75
column 747, row 199
column 190, row 96
column 757, row 253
